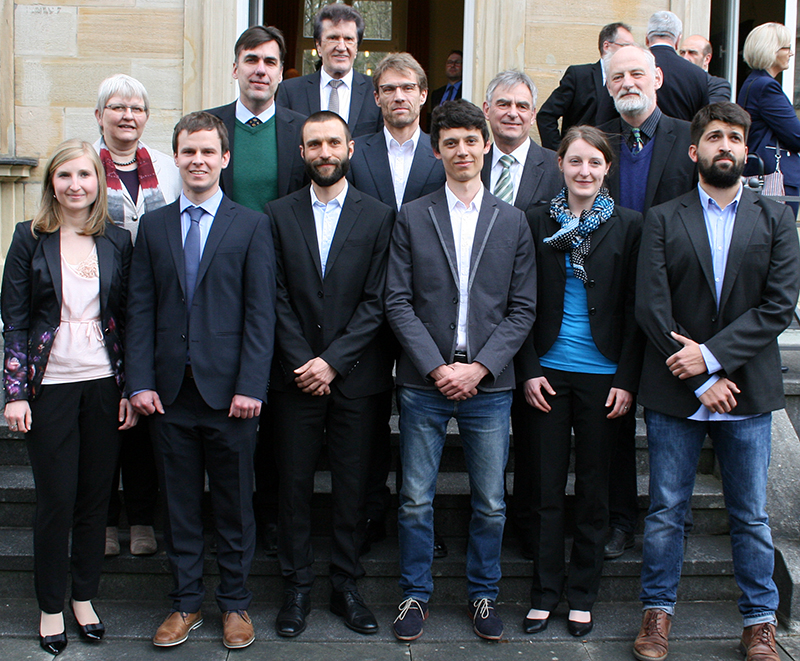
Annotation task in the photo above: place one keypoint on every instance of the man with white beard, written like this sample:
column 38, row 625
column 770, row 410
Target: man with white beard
column 652, row 152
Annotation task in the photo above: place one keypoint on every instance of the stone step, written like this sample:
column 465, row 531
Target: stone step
column 452, row 506
column 707, row 572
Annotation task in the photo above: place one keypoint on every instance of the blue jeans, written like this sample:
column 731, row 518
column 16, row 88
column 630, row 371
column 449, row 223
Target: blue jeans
column 483, row 423
column 742, row 448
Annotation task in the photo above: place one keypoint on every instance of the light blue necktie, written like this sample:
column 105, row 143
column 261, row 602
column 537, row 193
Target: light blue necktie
column 191, row 253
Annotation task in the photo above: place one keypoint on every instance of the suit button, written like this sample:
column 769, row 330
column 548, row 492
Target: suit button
column 590, row 283
column 183, row 337
column 714, row 319
column 592, row 311
column 455, row 300
column 319, row 294
column 105, row 330
column 319, row 327
column 452, row 326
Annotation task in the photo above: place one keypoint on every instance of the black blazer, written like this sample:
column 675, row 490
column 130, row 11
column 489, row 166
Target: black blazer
column 580, row 98
column 232, row 324
column 338, row 317
column 685, row 87
column 610, row 295
column 719, row 89
column 371, row 174
column 302, row 95
column 672, row 172
column 31, row 304
column 438, row 93
column 541, row 179
column 675, row 291
column 288, row 125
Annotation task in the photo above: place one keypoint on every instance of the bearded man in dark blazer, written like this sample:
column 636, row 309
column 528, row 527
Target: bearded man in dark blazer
column 717, row 283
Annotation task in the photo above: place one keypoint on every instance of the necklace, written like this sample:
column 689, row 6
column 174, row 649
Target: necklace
column 122, row 165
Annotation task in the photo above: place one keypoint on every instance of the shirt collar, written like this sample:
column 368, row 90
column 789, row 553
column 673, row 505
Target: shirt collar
column 452, row 200
column 347, row 79
column 520, row 154
column 244, row 115
column 390, row 139
column 210, row 205
column 649, row 125
column 706, row 200
column 339, row 199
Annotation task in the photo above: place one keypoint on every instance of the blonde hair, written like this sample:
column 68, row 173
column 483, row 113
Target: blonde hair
column 763, row 43
column 49, row 219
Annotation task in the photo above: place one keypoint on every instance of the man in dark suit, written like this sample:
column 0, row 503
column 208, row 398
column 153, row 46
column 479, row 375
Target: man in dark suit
column 712, row 367
column 453, row 71
column 652, row 166
column 331, row 370
column 338, row 30
column 395, row 165
column 199, row 345
column 266, row 138
column 697, row 50
column 684, row 89
column 460, row 296
column 581, row 97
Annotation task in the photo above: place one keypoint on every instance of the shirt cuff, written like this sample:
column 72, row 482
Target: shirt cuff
column 711, row 381
column 712, row 364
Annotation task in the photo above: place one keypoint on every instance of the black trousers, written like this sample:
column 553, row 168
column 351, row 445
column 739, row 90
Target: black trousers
column 192, row 439
column 623, row 503
column 267, row 474
column 137, row 464
column 521, row 502
column 301, row 423
column 579, row 405
column 73, row 446
column 379, row 496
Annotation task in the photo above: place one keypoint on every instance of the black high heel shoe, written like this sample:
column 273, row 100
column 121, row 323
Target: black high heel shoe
column 54, row 644
column 90, row 633
column 579, row 629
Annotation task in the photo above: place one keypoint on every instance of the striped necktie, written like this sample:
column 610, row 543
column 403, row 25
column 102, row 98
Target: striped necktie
column 638, row 143
column 504, row 188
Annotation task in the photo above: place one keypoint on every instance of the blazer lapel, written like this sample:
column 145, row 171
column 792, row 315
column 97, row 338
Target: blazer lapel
column 174, row 239
column 357, row 95
column 600, row 233
column 440, row 215
column 615, row 138
column 223, row 219
column 486, row 218
column 662, row 148
column 531, row 176
column 312, row 92
column 51, row 247
column 347, row 218
column 285, row 133
column 693, row 220
column 746, row 217
column 421, row 166
column 305, row 220
column 556, row 255
column 378, row 159
column 105, row 263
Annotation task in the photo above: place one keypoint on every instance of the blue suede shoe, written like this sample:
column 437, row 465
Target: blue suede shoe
column 485, row 621
column 408, row 625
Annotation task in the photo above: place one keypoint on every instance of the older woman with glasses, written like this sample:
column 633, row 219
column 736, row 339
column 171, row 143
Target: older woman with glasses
column 775, row 132
column 139, row 179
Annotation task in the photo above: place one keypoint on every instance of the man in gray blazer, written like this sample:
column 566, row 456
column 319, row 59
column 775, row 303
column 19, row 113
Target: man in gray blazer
column 460, row 296
column 712, row 367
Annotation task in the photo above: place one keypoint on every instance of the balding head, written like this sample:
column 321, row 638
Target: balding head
column 697, row 50
column 632, row 79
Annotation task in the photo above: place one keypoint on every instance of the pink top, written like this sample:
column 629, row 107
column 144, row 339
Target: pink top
column 79, row 352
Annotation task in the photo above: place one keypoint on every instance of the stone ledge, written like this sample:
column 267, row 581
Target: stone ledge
column 14, row 168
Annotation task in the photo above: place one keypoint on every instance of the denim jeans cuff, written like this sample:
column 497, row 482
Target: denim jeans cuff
column 668, row 608
column 418, row 596
column 760, row 618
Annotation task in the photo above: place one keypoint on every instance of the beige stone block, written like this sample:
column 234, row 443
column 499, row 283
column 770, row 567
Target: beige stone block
column 80, row 123
column 158, row 133
column 160, row 4
column 152, row 32
column 39, row 131
column 45, row 30
column 163, row 80
column 32, row 195
column 83, row 3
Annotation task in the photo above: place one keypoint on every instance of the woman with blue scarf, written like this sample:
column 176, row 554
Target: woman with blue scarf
column 577, row 371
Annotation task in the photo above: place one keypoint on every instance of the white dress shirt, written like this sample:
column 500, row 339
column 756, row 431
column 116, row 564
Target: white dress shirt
column 326, row 218
column 344, row 92
column 244, row 115
column 210, row 207
column 520, row 154
column 463, row 220
column 400, row 159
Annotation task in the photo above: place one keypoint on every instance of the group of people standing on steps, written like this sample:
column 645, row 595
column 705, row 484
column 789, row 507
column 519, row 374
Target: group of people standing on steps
column 307, row 242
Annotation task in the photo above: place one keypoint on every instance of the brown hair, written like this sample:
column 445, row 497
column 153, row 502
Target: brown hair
column 48, row 219
column 401, row 63
column 201, row 121
column 594, row 136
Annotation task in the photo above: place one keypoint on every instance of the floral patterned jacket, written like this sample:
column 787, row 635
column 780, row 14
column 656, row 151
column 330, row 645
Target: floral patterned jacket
column 31, row 304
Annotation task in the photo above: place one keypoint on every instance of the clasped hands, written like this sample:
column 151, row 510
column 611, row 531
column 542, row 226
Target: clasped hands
column 458, row 381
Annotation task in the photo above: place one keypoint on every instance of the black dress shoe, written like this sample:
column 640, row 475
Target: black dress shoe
column 352, row 608
column 54, row 644
column 618, row 541
column 269, row 538
column 532, row 625
column 439, row 547
column 90, row 633
column 291, row 620
column 579, row 629
column 374, row 532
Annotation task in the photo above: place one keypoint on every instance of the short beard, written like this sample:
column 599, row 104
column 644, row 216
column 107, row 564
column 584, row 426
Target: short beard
column 633, row 107
column 341, row 169
column 717, row 177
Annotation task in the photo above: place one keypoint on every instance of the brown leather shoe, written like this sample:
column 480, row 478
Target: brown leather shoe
column 758, row 642
column 652, row 643
column 175, row 629
column 237, row 630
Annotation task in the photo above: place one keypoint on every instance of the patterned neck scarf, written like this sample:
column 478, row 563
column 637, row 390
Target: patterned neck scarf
column 575, row 235
column 153, row 199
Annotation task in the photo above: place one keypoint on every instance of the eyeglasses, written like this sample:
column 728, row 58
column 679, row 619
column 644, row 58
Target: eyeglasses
column 453, row 63
column 388, row 90
column 348, row 41
column 120, row 108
